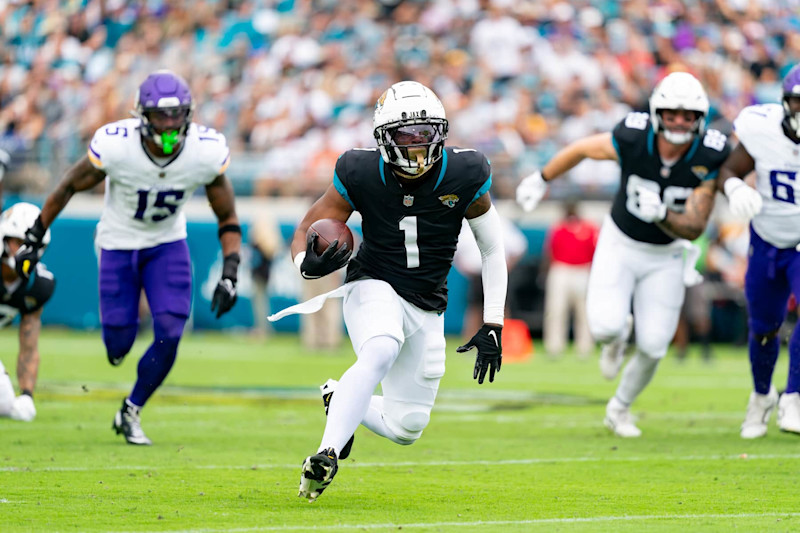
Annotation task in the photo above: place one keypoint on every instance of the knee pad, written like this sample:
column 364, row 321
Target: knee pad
column 118, row 340
column 407, row 421
column 604, row 331
column 763, row 338
column 653, row 348
column 168, row 326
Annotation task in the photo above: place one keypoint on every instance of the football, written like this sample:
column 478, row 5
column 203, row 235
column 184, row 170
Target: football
column 329, row 230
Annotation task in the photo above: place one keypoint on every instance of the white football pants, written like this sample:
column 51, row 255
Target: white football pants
column 649, row 274
column 373, row 309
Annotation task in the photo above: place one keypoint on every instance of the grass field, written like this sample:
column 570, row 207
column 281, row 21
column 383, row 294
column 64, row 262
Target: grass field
column 526, row 453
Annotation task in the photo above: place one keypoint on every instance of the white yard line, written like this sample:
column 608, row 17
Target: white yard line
column 479, row 523
column 416, row 464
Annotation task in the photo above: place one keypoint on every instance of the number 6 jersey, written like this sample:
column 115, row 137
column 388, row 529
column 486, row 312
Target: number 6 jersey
column 642, row 167
column 144, row 200
column 777, row 160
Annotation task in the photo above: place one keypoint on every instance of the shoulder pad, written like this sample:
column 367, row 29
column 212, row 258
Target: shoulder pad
column 715, row 140
column 111, row 141
column 213, row 147
column 39, row 289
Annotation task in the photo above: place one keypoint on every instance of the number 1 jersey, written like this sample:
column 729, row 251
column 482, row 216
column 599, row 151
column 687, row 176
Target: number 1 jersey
column 144, row 200
column 410, row 236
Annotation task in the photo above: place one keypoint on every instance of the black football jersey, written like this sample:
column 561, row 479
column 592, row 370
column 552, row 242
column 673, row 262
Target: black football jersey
column 410, row 236
column 27, row 296
column 641, row 165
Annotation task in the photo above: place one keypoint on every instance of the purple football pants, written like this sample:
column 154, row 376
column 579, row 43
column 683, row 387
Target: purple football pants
column 772, row 275
column 165, row 274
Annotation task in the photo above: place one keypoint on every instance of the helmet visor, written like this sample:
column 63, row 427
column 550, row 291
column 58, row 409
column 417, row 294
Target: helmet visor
column 416, row 134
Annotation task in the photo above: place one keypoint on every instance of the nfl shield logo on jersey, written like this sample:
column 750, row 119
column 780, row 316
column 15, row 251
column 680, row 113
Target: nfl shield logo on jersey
column 408, row 200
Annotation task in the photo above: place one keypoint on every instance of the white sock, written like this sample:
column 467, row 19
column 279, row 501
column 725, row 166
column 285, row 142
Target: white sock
column 635, row 377
column 353, row 395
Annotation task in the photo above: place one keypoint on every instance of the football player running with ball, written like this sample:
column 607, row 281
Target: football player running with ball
column 27, row 299
column 769, row 143
column 151, row 165
column 668, row 162
column 412, row 194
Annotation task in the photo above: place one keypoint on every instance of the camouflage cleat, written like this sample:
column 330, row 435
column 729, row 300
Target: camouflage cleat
column 318, row 472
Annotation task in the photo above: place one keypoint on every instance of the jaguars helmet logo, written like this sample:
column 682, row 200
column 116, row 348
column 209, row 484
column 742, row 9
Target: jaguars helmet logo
column 449, row 200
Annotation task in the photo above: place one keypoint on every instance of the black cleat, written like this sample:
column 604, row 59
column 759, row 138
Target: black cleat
column 127, row 423
column 327, row 393
column 317, row 474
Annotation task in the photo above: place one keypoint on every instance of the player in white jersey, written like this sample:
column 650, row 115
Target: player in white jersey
column 769, row 138
column 151, row 165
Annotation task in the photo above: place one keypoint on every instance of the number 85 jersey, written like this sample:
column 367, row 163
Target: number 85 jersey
column 642, row 167
column 777, row 160
column 144, row 199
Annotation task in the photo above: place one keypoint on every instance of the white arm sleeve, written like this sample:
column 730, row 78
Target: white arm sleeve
column 488, row 231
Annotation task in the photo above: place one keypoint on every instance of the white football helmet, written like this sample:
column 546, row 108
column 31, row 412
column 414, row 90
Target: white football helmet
column 14, row 222
column 409, row 115
column 679, row 90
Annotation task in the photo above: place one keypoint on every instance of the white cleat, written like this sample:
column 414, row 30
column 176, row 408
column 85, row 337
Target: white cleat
column 23, row 409
column 759, row 409
column 614, row 352
column 789, row 412
column 619, row 420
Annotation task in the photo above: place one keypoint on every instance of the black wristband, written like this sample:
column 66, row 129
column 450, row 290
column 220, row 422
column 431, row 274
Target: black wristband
column 27, row 393
column 235, row 228
column 541, row 173
column 230, row 266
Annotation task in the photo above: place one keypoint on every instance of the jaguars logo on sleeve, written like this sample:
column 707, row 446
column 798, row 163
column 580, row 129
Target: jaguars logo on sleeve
column 410, row 232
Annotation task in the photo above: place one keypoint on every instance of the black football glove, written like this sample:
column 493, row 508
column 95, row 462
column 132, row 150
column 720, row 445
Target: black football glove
column 225, row 293
column 489, row 343
column 315, row 266
column 31, row 250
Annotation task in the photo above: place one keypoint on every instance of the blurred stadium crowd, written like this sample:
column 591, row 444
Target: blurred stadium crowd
column 292, row 83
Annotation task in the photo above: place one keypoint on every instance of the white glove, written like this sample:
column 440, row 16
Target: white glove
column 745, row 202
column 531, row 190
column 651, row 208
column 23, row 408
column 691, row 276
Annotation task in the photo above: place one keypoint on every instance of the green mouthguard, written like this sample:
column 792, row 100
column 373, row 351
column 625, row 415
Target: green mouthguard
column 168, row 141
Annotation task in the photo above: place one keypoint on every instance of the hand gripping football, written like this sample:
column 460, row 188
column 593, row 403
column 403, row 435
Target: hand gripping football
column 329, row 230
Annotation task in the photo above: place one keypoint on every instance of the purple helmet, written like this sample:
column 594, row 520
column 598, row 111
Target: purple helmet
column 165, row 97
column 791, row 89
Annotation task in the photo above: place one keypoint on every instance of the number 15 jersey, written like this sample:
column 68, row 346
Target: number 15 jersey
column 144, row 200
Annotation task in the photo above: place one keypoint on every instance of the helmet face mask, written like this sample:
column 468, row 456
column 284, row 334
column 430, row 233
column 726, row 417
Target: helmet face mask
column 791, row 105
column 164, row 105
column 679, row 91
column 410, row 128
column 14, row 223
